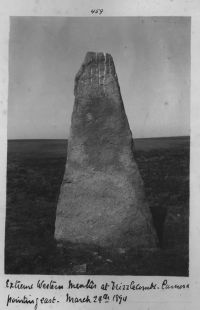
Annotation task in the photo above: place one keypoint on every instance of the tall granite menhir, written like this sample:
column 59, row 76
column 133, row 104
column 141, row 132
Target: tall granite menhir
column 102, row 199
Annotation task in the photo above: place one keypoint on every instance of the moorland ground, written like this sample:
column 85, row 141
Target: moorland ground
column 34, row 174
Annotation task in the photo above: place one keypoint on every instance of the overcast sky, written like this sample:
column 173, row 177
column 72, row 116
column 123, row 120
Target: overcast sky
column 152, row 60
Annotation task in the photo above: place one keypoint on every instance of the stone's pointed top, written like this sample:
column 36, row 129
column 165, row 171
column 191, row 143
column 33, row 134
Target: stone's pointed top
column 96, row 69
column 96, row 57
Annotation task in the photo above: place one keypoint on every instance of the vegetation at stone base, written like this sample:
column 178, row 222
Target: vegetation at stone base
column 35, row 170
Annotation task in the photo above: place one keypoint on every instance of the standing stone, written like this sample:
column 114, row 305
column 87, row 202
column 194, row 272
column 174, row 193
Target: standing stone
column 102, row 198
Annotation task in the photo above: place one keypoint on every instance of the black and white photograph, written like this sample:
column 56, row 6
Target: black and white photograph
column 98, row 156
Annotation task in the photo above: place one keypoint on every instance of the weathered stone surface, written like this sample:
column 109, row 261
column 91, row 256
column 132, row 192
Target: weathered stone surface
column 102, row 199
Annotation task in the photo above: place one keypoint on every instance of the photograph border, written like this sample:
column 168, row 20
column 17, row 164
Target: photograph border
column 188, row 299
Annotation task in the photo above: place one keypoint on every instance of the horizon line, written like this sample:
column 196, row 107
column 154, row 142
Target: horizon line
column 165, row 137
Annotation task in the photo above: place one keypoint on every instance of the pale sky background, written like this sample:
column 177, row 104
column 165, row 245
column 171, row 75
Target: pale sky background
column 152, row 60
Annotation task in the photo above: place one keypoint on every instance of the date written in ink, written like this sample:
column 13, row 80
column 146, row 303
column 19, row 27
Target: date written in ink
column 105, row 298
column 99, row 299
column 97, row 11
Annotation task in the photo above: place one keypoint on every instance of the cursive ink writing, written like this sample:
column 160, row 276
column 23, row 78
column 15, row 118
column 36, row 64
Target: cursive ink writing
column 77, row 299
column 19, row 300
column 165, row 285
column 52, row 285
column 18, row 285
column 132, row 286
column 90, row 285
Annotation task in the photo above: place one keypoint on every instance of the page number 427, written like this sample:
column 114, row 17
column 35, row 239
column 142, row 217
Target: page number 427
column 97, row 11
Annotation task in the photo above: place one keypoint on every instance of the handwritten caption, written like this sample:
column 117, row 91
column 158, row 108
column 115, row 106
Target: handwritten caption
column 77, row 292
